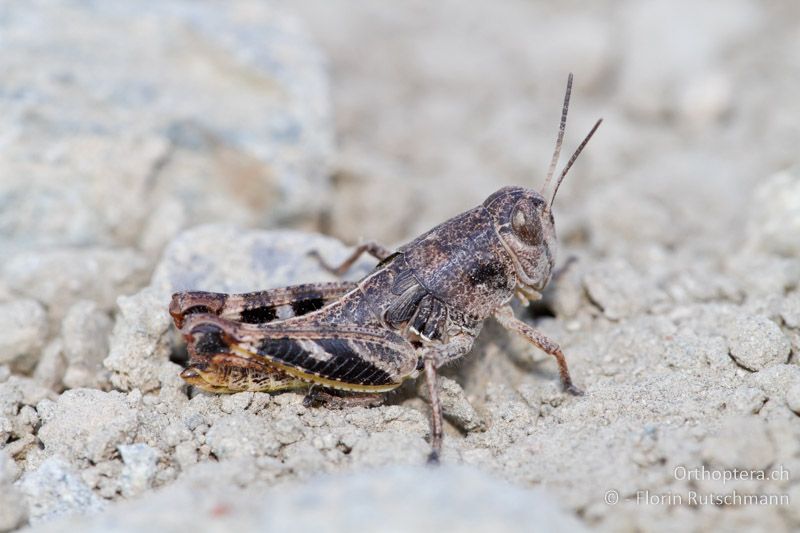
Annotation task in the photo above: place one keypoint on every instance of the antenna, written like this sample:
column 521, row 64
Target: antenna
column 560, row 138
column 573, row 158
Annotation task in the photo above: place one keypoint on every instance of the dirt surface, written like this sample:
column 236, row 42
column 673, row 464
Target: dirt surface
column 680, row 316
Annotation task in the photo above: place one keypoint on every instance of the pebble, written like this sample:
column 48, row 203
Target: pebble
column 793, row 398
column 85, row 330
column 24, row 327
column 89, row 425
column 755, row 342
column 774, row 221
column 141, row 464
column 55, row 490
column 742, row 442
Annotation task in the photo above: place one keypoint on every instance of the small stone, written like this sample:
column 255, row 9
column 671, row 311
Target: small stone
column 139, row 346
column 776, row 380
column 88, row 424
column 288, row 429
column 6, row 429
column 749, row 400
column 85, row 330
column 13, row 508
column 618, row 290
column 235, row 402
column 52, row 365
column 790, row 310
column 55, row 490
column 241, row 434
column 774, row 222
column 24, row 327
column 61, row 277
column 8, row 469
column 741, row 442
column 186, row 454
column 755, row 342
column 141, row 463
column 793, row 398
column 455, row 405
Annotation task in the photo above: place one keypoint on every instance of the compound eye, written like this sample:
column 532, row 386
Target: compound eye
column 526, row 226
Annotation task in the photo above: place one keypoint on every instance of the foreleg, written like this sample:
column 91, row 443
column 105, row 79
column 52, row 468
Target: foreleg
column 505, row 315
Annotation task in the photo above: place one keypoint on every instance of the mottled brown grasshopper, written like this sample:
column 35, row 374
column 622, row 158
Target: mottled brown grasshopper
column 420, row 308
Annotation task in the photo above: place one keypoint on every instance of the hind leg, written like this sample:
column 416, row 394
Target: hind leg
column 258, row 307
column 229, row 373
column 318, row 397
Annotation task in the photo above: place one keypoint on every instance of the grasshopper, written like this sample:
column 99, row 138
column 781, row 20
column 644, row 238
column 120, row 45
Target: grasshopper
column 420, row 308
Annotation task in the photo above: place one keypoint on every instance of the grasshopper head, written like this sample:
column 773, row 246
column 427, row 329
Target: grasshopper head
column 524, row 220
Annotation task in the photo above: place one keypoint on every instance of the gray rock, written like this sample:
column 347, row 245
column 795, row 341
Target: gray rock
column 755, row 342
column 18, row 418
column 455, row 405
column 25, row 325
column 111, row 129
column 52, row 366
column 793, row 398
column 400, row 499
column 55, row 490
column 790, row 309
column 8, row 469
column 742, row 442
column 89, row 425
column 776, row 380
column 774, row 221
column 748, row 400
column 85, row 332
column 241, row 434
column 618, row 290
column 139, row 347
column 13, row 508
column 61, row 277
column 141, row 464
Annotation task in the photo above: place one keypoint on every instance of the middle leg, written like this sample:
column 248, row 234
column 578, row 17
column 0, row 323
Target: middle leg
column 433, row 358
column 374, row 249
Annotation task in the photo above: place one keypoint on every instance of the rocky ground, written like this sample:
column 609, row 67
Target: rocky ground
column 157, row 146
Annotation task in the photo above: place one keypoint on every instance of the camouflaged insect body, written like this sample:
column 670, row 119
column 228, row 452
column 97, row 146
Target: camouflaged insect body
column 368, row 335
column 420, row 308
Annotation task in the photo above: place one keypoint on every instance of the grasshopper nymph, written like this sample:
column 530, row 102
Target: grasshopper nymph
column 420, row 308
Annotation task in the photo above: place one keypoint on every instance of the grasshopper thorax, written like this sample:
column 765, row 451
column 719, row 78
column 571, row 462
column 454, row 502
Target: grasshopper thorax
column 524, row 222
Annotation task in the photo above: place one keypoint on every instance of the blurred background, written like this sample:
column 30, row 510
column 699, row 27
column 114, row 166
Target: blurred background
column 438, row 104
column 123, row 123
